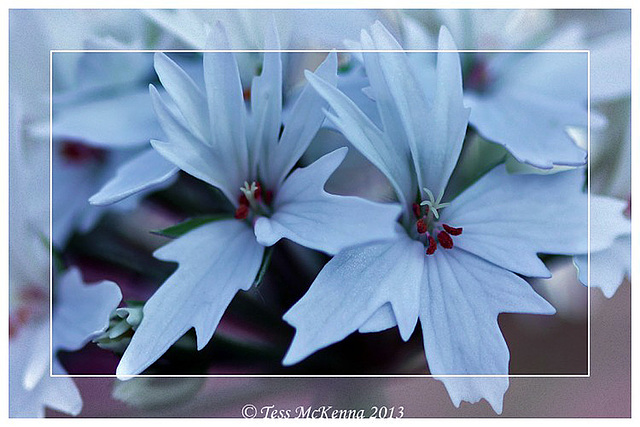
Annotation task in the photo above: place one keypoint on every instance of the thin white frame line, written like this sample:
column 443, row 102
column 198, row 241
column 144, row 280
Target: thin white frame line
column 588, row 52
column 327, row 376
column 51, row 214
column 320, row 50
column 589, row 213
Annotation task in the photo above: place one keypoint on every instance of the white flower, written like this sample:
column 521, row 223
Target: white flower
column 210, row 136
column 454, row 270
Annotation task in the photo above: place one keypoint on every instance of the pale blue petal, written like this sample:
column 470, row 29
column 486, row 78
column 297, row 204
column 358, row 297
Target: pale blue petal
column 387, row 73
column 215, row 260
column 189, row 153
column 508, row 219
column 355, row 84
column 446, row 124
column 461, row 297
column 122, row 121
column 435, row 134
column 608, row 267
column 81, row 311
column 474, row 389
column 266, row 102
column 381, row 320
column 145, row 171
column 309, row 216
column 351, row 288
column 608, row 221
column 393, row 161
column 610, row 245
column 227, row 113
column 530, row 106
column 414, row 34
column 37, row 362
column 185, row 94
column 30, row 401
column 303, row 123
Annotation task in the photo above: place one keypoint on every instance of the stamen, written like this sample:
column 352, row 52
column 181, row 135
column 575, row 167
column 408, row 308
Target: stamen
column 432, row 246
column 243, row 200
column 421, row 225
column 445, row 240
column 454, row 231
column 242, row 212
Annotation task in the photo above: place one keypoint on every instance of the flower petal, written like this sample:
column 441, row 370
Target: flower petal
column 528, row 109
column 610, row 245
column 434, row 135
column 81, row 311
column 305, row 118
column 310, row 216
column 392, row 160
column 381, row 320
column 30, row 401
column 351, row 288
column 508, row 219
column 189, row 153
column 608, row 267
column 185, row 93
column 608, row 221
column 122, row 121
column 227, row 111
column 461, row 297
column 146, row 170
column 215, row 260
column 266, row 101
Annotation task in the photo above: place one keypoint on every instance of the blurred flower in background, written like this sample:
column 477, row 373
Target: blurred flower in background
column 116, row 200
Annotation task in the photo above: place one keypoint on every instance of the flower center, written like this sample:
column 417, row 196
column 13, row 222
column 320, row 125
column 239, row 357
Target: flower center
column 477, row 77
column 32, row 299
column 428, row 224
column 78, row 153
column 253, row 201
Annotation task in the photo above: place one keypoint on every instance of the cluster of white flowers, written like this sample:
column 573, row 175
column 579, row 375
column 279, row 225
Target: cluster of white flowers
column 446, row 179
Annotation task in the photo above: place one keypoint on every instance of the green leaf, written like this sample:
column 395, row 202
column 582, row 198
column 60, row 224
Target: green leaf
column 184, row 227
column 266, row 261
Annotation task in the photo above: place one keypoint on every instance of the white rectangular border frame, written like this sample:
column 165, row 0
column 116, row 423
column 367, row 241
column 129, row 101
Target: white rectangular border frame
column 588, row 52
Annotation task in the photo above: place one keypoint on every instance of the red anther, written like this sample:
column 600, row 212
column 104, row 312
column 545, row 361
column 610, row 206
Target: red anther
column 432, row 246
column 445, row 240
column 77, row 152
column 421, row 225
column 416, row 210
column 242, row 212
column 258, row 191
column 246, row 94
column 268, row 196
column 452, row 230
column 243, row 200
